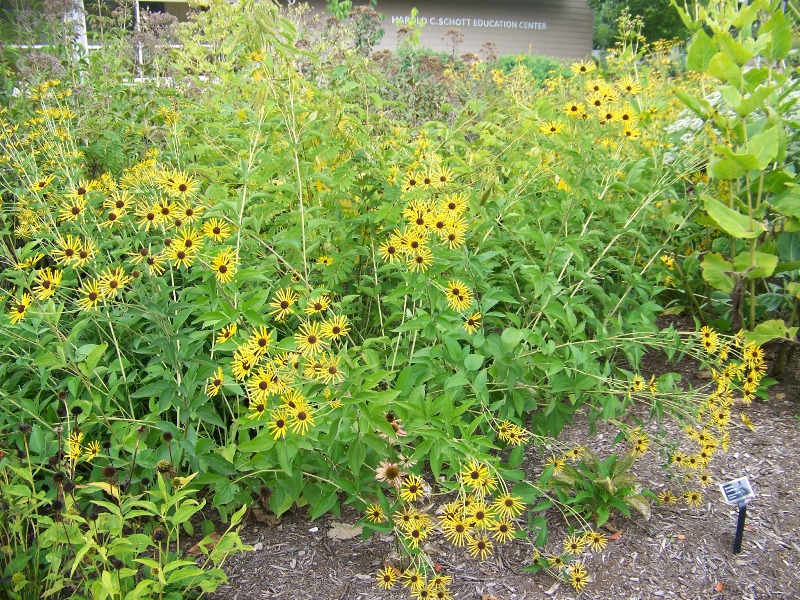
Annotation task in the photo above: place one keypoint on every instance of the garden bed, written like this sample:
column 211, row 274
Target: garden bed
column 680, row 552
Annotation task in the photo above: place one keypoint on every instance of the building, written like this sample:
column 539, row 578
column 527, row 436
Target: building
column 560, row 28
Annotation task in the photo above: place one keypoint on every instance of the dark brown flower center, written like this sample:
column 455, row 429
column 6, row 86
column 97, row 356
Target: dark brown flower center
column 336, row 330
column 181, row 255
column 216, row 231
column 222, row 269
column 183, row 187
column 92, row 296
column 81, row 191
column 312, row 339
column 75, row 210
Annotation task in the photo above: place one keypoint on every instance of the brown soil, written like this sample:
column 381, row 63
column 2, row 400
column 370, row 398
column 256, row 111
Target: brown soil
column 681, row 552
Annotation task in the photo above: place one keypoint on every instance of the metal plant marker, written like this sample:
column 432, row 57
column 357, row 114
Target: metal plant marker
column 738, row 492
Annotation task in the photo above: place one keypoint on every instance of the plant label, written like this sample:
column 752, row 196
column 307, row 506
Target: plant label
column 737, row 491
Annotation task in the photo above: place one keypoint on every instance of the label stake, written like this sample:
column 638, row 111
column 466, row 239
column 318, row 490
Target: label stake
column 737, row 541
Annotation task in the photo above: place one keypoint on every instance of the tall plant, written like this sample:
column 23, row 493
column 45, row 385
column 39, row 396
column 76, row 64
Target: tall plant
column 744, row 96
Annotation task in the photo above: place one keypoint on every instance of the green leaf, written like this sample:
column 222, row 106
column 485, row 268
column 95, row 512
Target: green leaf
column 736, row 50
column 788, row 203
column 715, row 272
column 789, row 246
column 724, row 68
column 698, row 106
column 94, row 356
column 778, row 34
column 473, row 362
column 770, row 330
column 731, row 221
column 764, row 146
column 762, row 264
column 701, row 51
column 725, row 168
column 512, row 337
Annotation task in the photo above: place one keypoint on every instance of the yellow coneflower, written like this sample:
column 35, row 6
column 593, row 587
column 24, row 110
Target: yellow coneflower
column 459, row 296
column 283, row 302
column 18, row 307
column 582, row 67
column 551, row 127
column 90, row 295
column 215, row 383
column 216, row 229
column 224, row 265
column 46, row 282
column 309, row 339
column 113, row 281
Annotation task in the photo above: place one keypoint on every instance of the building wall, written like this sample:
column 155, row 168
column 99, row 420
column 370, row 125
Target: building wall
column 561, row 28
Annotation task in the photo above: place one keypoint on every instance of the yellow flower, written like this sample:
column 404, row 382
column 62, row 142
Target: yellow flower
column 301, row 419
column 46, row 282
column 90, row 295
column 574, row 109
column 473, row 474
column 113, row 281
column 413, row 488
column 317, row 305
column 420, row 260
column 224, row 265
column 459, row 296
column 472, row 323
column 551, row 127
column 278, row 425
column 216, row 229
column 215, row 383
column 309, row 339
column 226, row 333
column 480, row 546
column 508, row 506
column 283, row 302
column 582, row 67
column 18, row 307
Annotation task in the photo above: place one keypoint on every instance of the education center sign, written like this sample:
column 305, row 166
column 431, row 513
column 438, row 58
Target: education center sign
column 560, row 28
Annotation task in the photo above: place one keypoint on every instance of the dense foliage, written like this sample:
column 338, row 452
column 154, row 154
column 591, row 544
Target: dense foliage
column 265, row 269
